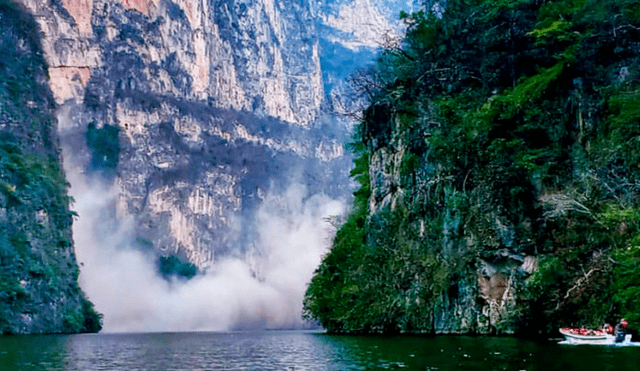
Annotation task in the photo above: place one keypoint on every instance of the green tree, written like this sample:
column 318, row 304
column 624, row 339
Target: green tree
column 507, row 127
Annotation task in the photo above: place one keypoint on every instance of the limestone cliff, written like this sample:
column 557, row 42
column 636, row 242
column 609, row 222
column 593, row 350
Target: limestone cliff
column 216, row 102
column 496, row 163
column 39, row 290
column 482, row 296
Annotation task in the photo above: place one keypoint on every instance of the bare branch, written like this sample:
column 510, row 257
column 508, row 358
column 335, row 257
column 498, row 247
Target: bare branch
column 577, row 285
column 560, row 204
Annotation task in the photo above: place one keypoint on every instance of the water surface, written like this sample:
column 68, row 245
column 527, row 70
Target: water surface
column 302, row 351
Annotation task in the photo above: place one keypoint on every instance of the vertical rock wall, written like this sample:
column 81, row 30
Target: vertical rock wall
column 481, row 296
column 217, row 102
column 39, row 290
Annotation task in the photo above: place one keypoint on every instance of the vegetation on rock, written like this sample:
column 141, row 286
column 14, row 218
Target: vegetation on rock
column 173, row 267
column 104, row 145
column 39, row 290
column 501, row 135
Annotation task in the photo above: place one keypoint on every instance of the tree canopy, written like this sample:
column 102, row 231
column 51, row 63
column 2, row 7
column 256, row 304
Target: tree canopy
column 506, row 126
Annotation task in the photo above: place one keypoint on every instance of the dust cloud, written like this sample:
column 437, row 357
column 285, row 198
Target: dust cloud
column 260, row 290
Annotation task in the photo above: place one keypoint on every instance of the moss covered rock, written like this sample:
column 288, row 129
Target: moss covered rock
column 39, row 290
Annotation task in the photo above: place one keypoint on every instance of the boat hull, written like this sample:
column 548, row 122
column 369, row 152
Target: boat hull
column 599, row 339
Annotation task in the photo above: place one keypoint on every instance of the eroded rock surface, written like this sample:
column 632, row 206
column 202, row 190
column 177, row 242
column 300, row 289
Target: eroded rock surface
column 217, row 102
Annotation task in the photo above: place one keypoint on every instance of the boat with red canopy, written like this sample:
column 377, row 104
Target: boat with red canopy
column 583, row 335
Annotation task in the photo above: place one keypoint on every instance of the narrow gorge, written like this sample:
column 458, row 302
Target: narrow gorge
column 203, row 149
column 181, row 165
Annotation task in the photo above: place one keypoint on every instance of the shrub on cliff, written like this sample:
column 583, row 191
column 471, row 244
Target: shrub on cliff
column 509, row 128
column 172, row 266
column 39, row 289
column 105, row 146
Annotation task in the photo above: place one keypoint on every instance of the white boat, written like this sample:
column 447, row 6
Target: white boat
column 597, row 338
column 572, row 335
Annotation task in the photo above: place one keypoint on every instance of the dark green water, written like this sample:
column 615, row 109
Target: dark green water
column 302, row 351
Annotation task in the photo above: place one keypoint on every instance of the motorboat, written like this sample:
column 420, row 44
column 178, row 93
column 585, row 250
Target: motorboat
column 581, row 335
column 595, row 337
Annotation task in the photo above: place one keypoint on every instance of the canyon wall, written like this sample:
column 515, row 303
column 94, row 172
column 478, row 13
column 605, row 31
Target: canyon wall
column 214, row 104
column 495, row 195
column 39, row 290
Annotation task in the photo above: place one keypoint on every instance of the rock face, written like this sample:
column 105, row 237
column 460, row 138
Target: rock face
column 39, row 290
column 482, row 296
column 217, row 102
column 478, row 210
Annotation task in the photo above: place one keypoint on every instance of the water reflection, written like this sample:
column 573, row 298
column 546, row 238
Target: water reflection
column 32, row 352
column 301, row 351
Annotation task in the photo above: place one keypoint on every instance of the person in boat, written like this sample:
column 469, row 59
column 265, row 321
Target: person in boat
column 621, row 330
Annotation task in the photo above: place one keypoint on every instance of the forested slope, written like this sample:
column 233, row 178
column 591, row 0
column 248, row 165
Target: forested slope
column 39, row 290
column 499, row 163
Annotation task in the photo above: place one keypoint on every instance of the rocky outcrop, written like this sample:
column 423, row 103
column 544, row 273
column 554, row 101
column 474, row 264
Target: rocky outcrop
column 482, row 295
column 39, row 290
column 488, row 204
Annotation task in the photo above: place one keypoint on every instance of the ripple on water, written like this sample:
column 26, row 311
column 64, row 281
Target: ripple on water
column 301, row 351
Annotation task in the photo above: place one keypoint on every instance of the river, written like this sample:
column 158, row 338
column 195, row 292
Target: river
column 302, row 351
